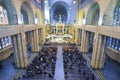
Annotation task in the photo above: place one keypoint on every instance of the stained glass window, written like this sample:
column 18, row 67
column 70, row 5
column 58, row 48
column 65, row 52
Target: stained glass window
column 5, row 41
column 9, row 38
column 116, row 16
column 112, row 42
column 3, row 16
column 119, row 45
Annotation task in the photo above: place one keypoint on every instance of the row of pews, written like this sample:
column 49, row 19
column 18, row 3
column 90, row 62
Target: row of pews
column 43, row 66
column 75, row 66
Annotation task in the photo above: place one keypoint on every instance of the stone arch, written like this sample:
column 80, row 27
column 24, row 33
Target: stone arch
column 39, row 15
column 65, row 7
column 116, row 14
column 27, row 13
column 8, row 5
column 81, row 19
column 109, row 12
column 92, row 17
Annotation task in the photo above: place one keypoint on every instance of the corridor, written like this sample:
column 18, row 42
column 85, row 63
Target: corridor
column 59, row 69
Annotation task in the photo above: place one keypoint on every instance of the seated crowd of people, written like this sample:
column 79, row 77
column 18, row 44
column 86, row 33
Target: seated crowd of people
column 43, row 66
column 75, row 66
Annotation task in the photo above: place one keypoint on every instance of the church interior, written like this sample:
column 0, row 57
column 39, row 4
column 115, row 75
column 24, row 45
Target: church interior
column 59, row 39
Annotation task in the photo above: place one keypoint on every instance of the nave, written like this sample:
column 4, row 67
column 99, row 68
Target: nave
column 92, row 25
column 64, row 56
column 58, row 63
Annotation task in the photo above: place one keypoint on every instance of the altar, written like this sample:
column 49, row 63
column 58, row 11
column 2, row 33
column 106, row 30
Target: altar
column 60, row 29
column 59, row 38
column 59, row 34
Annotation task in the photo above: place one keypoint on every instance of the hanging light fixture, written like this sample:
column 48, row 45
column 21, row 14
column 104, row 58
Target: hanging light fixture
column 74, row 1
column 46, row 1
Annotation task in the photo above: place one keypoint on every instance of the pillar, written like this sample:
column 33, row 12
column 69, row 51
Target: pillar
column 24, row 48
column 20, row 50
column 43, row 34
column 103, row 51
column 77, row 36
column 80, row 36
column 84, row 41
column 16, row 53
column 39, row 36
column 98, row 55
column 27, row 37
column 20, row 53
column 35, row 40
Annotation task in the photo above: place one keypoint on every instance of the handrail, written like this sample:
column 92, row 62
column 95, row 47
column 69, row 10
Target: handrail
column 102, row 30
column 9, row 30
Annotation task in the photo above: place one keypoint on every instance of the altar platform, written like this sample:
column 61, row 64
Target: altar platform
column 59, row 39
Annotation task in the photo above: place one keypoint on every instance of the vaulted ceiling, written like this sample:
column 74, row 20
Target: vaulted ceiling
column 66, row 8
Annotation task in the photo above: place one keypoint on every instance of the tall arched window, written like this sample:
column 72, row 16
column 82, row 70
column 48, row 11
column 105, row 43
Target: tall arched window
column 116, row 16
column 3, row 16
column 5, row 41
column 93, row 15
column 113, row 42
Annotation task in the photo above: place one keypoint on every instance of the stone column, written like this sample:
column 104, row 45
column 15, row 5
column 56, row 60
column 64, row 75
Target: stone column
column 80, row 37
column 24, row 48
column 35, row 41
column 103, row 50
column 39, row 36
column 84, row 41
column 94, row 54
column 32, row 41
column 98, row 54
column 27, row 37
column 77, row 36
column 20, row 53
column 20, row 50
column 43, row 34
column 15, row 47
